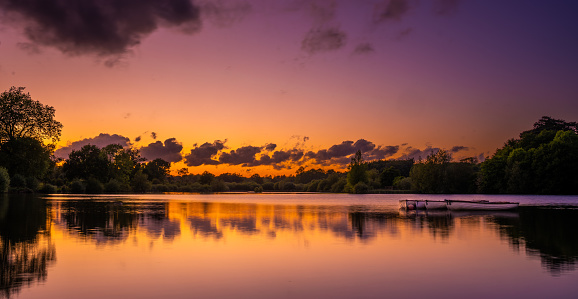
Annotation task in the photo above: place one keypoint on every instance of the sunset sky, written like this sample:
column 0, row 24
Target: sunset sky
column 262, row 86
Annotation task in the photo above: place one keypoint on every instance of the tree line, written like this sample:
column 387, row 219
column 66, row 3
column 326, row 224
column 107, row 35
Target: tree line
column 542, row 161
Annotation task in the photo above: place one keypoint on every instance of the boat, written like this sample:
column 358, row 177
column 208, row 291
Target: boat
column 412, row 204
column 435, row 204
column 478, row 205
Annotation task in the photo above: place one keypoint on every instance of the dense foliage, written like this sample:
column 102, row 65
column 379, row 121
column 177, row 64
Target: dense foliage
column 543, row 161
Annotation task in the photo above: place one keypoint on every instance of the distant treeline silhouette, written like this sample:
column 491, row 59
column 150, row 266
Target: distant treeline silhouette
column 542, row 161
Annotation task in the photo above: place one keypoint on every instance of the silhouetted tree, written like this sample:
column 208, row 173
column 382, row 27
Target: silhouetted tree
column 26, row 156
column 157, row 169
column 21, row 116
column 357, row 171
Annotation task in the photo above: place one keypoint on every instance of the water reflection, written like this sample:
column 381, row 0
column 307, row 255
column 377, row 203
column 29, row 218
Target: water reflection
column 546, row 232
column 26, row 250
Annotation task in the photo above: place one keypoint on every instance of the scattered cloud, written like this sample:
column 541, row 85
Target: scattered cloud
column 100, row 141
column 445, row 7
column 364, row 48
column 224, row 13
column 391, row 10
column 323, row 40
column 418, row 154
column 170, row 151
column 404, row 34
column 203, row 154
column 29, row 48
column 340, row 154
column 458, row 148
column 244, row 156
column 153, row 135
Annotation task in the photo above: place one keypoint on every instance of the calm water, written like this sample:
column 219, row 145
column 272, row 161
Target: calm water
column 284, row 246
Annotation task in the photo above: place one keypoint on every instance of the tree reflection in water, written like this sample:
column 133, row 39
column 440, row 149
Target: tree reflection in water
column 26, row 250
column 546, row 232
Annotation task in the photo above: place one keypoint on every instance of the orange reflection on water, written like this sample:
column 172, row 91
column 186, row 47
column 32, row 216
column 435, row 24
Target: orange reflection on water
column 189, row 249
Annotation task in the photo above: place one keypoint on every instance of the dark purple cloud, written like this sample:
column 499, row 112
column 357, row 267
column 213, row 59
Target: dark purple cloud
column 270, row 147
column 340, row 154
column 458, row 148
column 242, row 156
column 445, row 7
column 418, row 154
column 323, row 40
column 224, row 14
column 364, row 48
column 392, row 10
column 203, row 154
column 101, row 27
column 170, row 151
column 100, row 141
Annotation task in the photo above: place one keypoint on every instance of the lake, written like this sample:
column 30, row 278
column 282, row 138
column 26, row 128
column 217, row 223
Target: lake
column 284, row 246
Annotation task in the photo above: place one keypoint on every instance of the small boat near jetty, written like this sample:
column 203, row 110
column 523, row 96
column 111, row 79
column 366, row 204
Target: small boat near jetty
column 480, row 205
column 413, row 204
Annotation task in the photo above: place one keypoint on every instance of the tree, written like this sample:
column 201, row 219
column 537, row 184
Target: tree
column 357, row 171
column 87, row 162
column 4, row 180
column 387, row 176
column 543, row 161
column 157, row 169
column 25, row 156
column 21, row 116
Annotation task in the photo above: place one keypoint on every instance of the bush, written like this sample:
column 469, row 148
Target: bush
column 160, row 188
column 4, row 180
column 259, row 189
column 94, row 186
column 360, row 188
column 313, row 186
column 268, row 186
column 140, row 183
column 32, row 183
column 339, row 186
column 289, row 186
column 76, row 187
column 48, row 189
column 218, row 185
column 18, row 181
column 402, row 183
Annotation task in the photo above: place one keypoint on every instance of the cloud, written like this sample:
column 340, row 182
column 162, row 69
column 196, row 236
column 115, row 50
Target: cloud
column 391, row 10
column 101, row 27
column 242, row 156
column 137, row 139
column 153, row 135
column 224, row 14
column 100, row 141
column 340, row 154
column 364, row 48
column 458, row 148
column 403, row 34
column 270, row 147
column 323, row 40
column 170, row 151
column 29, row 48
column 417, row 154
column 446, row 7
column 203, row 154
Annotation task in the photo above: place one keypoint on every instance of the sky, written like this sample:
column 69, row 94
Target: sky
column 262, row 86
